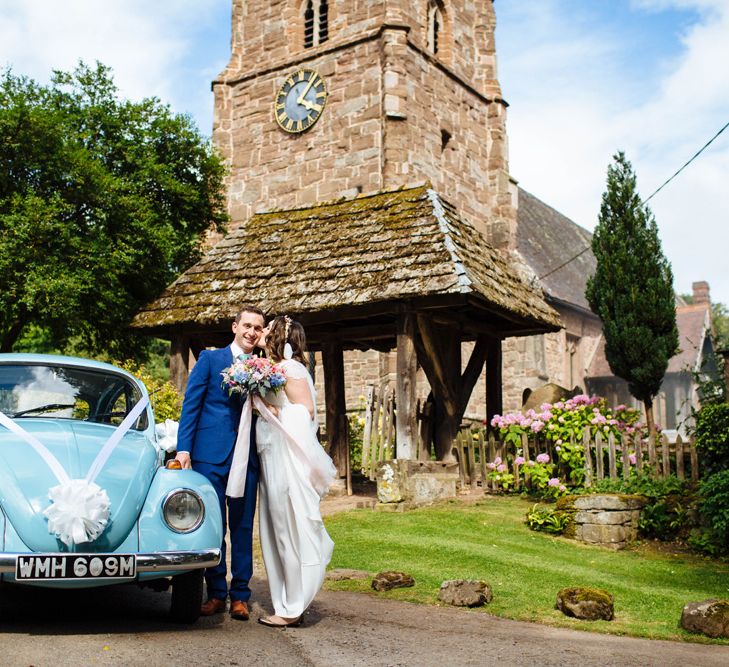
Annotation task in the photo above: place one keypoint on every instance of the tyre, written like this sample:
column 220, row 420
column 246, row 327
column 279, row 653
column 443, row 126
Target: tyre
column 187, row 593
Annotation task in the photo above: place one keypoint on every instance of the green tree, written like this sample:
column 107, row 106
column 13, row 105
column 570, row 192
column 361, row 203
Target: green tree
column 103, row 202
column 632, row 288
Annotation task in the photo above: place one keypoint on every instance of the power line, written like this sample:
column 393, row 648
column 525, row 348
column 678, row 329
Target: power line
column 645, row 201
column 693, row 157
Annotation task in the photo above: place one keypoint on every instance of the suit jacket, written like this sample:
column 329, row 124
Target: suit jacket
column 209, row 422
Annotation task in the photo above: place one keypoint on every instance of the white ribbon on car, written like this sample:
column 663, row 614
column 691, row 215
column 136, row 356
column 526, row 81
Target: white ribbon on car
column 79, row 510
column 319, row 469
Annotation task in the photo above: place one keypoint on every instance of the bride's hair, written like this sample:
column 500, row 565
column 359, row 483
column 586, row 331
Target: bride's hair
column 285, row 330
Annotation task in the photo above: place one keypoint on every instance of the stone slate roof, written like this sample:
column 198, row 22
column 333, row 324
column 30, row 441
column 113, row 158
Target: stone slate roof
column 547, row 239
column 693, row 324
column 389, row 246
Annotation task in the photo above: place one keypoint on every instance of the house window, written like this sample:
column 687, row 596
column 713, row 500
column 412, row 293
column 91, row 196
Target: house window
column 316, row 22
column 435, row 25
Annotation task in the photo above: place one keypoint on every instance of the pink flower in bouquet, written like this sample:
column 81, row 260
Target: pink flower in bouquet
column 255, row 375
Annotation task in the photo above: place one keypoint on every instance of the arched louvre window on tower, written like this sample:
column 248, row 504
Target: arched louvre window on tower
column 435, row 25
column 316, row 22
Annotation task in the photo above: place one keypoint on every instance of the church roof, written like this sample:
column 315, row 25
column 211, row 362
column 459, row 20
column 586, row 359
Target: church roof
column 386, row 247
column 546, row 240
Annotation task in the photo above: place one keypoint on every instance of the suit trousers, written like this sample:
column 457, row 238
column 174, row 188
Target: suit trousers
column 237, row 516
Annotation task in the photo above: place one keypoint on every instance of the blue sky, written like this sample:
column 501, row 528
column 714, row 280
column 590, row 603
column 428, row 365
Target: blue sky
column 584, row 78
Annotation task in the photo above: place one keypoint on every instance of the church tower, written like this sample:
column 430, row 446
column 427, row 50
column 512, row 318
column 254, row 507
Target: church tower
column 324, row 99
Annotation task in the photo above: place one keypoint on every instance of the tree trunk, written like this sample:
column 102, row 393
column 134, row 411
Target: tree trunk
column 8, row 338
column 650, row 423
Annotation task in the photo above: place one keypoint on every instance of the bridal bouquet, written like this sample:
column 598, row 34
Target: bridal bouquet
column 255, row 375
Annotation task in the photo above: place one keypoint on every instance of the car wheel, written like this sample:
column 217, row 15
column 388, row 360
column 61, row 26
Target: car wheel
column 187, row 592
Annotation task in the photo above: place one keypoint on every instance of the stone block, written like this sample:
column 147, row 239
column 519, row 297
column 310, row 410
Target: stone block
column 602, row 534
column 416, row 483
column 385, row 581
column 609, row 502
column 709, row 617
column 589, row 604
column 465, row 593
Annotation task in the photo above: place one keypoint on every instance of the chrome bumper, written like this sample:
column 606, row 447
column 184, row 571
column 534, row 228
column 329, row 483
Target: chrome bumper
column 162, row 561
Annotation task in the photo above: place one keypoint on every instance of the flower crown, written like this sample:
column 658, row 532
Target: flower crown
column 287, row 351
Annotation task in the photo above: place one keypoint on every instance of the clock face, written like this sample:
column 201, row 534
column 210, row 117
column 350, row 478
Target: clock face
column 300, row 101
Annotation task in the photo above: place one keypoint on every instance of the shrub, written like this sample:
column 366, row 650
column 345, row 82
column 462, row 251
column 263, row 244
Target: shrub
column 714, row 511
column 356, row 435
column 712, row 437
column 563, row 424
column 166, row 400
column 547, row 519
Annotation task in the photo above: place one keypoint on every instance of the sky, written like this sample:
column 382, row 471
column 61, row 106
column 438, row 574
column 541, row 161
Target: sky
column 583, row 78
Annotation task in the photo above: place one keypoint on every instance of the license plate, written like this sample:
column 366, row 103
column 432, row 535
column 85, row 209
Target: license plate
column 34, row 567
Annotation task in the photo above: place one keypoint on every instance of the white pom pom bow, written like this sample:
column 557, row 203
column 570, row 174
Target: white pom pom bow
column 79, row 511
column 167, row 435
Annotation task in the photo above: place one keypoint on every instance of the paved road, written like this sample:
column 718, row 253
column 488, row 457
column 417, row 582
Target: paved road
column 128, row 626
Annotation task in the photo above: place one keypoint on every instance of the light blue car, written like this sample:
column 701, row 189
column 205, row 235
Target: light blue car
column 85, row 499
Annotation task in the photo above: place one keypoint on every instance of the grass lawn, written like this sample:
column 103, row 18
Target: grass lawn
column 488, row 540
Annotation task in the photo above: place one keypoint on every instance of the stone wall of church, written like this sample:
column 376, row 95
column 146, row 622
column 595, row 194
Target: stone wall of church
column 441, row 131
column 561, row 357
column 340, row 157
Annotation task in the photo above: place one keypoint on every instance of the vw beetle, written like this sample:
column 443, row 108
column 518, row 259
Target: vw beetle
column 85, row 498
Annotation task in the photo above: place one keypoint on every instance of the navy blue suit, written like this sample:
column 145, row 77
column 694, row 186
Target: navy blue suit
column 208, row 430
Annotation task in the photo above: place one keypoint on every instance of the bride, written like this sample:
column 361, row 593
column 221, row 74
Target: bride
column 295, row 473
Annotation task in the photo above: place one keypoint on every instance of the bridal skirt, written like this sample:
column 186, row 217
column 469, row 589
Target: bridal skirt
column 296, row 547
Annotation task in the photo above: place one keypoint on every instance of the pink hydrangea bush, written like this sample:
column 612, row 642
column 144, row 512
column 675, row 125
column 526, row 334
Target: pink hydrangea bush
column 563, row 423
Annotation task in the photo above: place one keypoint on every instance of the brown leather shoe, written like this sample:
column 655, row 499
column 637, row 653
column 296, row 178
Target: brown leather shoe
column 239, row 610
column 212, row 606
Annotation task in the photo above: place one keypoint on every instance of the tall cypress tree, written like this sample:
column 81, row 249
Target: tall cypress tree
column 632, row 288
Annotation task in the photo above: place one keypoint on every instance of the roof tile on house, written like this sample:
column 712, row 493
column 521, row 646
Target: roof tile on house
column 546, row 239
column 692, row 323
column 389, row 246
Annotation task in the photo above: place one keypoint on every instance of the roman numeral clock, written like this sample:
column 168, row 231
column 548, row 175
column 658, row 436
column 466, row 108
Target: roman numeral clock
column 300, row 101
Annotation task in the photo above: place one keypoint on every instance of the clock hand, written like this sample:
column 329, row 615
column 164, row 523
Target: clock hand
column 310, row 105
column 301, row 100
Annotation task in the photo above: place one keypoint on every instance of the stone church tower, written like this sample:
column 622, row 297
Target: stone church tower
column 409, row 94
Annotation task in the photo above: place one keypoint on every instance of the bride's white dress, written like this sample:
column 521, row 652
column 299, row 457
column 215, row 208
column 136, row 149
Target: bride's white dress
column 296, row 547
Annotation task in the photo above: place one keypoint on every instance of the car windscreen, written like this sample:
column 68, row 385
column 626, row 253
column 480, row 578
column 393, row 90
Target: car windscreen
column 68, row 392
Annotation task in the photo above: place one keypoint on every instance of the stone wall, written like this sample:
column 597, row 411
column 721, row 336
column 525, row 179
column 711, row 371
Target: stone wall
column 561, row 357
column 396, row 115
column 609, row 520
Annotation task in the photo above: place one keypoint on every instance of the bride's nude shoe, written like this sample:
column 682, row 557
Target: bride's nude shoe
column 280, row 622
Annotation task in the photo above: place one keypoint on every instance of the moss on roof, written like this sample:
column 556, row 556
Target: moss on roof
column 390, row 246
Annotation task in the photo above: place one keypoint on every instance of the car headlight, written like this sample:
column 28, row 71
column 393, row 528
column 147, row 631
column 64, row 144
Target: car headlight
column 183, row 510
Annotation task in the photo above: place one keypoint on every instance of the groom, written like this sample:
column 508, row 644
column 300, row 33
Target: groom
column 205, row 442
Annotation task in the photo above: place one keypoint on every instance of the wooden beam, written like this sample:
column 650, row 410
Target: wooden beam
column 407, row 366
column 473, row 370
column 179, row 361
column 435, row 360
column 333, row 362
column 494, row 398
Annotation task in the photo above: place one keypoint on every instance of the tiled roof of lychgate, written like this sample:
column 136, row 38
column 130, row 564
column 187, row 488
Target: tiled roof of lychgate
column 546, row 239
column 384, row 247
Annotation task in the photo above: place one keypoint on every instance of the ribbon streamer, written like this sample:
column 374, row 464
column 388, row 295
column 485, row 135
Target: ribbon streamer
column 80, row 509
column 319, row 477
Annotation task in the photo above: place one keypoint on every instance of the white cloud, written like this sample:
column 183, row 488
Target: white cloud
column 145, row 43
column 577, row 99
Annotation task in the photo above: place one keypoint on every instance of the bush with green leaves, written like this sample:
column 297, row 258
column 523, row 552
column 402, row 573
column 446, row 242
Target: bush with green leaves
column 547, row 519
column 563, row 424
column 714, row 511
column 166, row 400
column 712, row 437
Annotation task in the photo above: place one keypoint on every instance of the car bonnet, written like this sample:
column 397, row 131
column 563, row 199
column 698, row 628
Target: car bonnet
column 25, row 478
